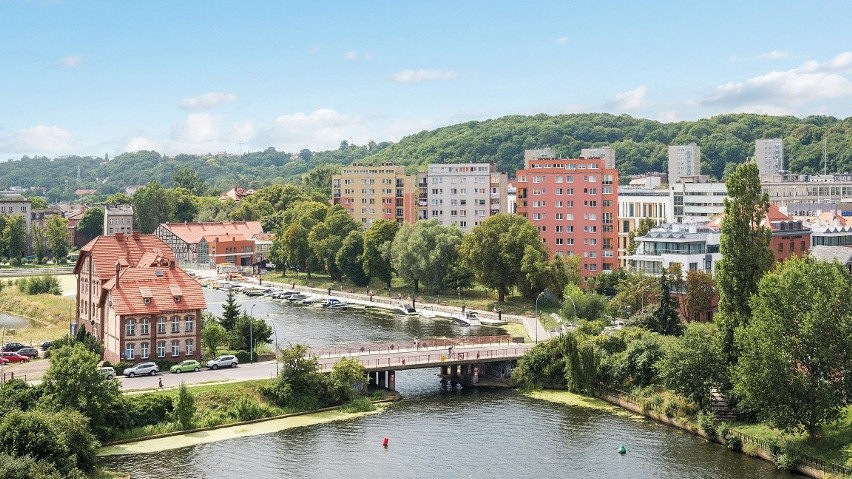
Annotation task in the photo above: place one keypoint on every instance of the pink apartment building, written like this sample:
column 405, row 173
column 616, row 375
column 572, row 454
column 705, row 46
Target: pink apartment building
column 574, row 205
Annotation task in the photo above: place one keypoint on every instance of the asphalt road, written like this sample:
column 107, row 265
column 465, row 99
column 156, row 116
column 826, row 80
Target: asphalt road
column 243, row 372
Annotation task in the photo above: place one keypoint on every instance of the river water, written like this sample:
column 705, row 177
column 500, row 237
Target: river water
column 436, row 432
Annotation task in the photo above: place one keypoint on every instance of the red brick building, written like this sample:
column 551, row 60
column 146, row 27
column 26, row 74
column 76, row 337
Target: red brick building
column 790, row 237
column 574, row 205
column 132, row 296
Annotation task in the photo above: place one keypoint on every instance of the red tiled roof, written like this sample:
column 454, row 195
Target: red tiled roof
column 224, row 238
column 107, row 250
column 161, row 285
column 193, row 232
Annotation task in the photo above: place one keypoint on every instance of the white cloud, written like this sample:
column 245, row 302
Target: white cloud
column 39, row 139
column 562, row 41
column 667, row 116
column 320, row 129
column 207, row 100
column 775, row 55
column 198, row 128
column 629, row 100
column 71, row 61
column 350, row 56
column 415, row 76
column 812, row 81
column 137, row 143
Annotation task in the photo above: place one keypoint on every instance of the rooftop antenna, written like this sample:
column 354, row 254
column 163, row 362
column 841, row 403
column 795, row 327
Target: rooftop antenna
column 241, row 145
column 824, row 154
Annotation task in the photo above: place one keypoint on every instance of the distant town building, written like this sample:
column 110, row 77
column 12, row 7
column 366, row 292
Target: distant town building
column 132, row 297
column 787, row 189
column 373, row 192
column 684, row 160
column 118, row 219
column 40, row 217
column 607, row 153
column 634, row 204
column 574, row 205
column 185, row 239
column 769, row 155
column 11, row 205
column 461, row 194
column 695, row 199
column 790, row 237
column 236, row 194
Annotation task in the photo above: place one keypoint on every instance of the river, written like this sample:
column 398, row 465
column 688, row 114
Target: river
column 435, row 432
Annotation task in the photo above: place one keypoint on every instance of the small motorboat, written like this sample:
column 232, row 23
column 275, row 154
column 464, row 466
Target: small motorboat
column 468, row 318
column 405, row 309
column 334, row 303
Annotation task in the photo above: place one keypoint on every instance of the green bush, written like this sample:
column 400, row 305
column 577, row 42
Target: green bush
column 732, row 440
column 242, row 356
column 358, row 404
column 785, row 456
column 707, row 422
column 62, row 439
column 15, row 262
column 25, row 467
column 148, row 409
column 39, row 284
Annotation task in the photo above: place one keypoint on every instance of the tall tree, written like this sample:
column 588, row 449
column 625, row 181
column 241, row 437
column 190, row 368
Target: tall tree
column 665, row 319
column 422, row 252
column 57, row 238
column 495, row 250
column 700, row 289
column 39, row 244
column 185, row 177
column 326, row 238
column 795, row 363
column 152, row 205
column 377, row 247
column 746, row 256
column 230, row 311
column 693, row 363
column 15, row 236
column 349, row 258
column 92, row 223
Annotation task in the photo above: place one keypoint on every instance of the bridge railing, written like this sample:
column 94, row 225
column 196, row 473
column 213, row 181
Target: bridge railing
column 432, row 358
column 421, row 344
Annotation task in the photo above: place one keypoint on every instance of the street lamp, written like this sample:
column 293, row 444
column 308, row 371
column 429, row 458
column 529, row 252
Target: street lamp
column 574, row 319
column 277, row 349
column 251, row 333
column 536, row 315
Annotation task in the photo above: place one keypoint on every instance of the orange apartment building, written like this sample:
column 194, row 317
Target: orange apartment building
column 574, row 205
column 373, row 192
column 133, row 297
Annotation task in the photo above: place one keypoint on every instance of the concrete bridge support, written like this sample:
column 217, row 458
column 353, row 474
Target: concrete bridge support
column 382, row 379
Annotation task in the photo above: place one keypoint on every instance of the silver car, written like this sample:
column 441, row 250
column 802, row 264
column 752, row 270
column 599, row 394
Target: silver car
column 224, row 361
column 142, row 369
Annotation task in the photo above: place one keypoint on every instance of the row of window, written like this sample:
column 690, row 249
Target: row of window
column 11, row 209
column 145, row 325
column 145, row 349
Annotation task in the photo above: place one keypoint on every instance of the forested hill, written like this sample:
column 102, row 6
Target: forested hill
column 641, row 146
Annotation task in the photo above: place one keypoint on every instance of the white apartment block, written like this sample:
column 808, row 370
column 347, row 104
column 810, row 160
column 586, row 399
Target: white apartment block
column 696, row 200
column 635, row 204
column 787, row 190
column 462, row 194
column 605, row 152
column 17, row 205
column 769, row 156
column 694, row 247
column 684, row 160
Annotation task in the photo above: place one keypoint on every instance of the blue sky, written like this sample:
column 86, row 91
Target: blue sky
column 99, row 77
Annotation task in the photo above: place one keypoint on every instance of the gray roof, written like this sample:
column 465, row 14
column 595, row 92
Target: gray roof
column 842, row 254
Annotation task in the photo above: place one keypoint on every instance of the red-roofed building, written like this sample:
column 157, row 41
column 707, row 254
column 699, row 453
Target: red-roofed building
column 133, row 297
column 233, row 249
column 790, row 237
column 184, row 238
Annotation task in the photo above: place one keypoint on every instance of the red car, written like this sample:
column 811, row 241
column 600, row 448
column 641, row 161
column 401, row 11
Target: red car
column 14, row 357
column 3, row 360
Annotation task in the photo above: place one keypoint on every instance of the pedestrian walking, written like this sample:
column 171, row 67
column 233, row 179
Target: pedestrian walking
column 161, row 383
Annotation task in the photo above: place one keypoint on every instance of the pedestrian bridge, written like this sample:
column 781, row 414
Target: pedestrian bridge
column 461, row 360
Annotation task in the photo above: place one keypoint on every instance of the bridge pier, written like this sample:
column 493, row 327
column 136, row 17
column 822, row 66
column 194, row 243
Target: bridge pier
column 382, row 379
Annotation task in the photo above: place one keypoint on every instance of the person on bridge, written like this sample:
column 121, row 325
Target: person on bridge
column 450, row 352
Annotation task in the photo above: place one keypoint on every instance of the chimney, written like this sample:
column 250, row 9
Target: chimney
column 117, row 272
column 119, row 236
column 135, row 235
column 171, row 264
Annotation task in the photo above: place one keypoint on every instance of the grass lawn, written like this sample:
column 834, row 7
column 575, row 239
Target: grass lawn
column 835, row 445
column 49, row 315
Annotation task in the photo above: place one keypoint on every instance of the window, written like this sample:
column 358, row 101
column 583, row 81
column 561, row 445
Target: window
column 780, row 247
column 189, row 322
column 175, row 324
column 190, row 347
column 161, row 349
column 144, row 326
column 161, row 325
column 130, row 327
column 175, row 348
column 693, row 266
column 144, row 350
column 129, row 351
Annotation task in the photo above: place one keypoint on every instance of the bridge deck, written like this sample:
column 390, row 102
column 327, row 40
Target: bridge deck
column 431, row 357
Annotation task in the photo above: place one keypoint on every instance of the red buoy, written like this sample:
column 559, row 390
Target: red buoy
column 385, row 442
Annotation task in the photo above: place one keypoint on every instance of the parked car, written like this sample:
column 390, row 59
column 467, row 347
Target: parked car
column 12, row 346
column 3, row 360
column 46, row 345
column 224, row 361
column 108, row 371
column 142, row 369
column 29, row 352
column 185, row 366
column 14, row 357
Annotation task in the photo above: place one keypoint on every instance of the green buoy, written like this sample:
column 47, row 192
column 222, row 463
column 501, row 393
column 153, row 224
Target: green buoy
column 622, row 449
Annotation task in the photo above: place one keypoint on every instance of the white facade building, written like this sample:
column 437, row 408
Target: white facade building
column 698, row 201
column 17, row 205
column 118, row 219
column 605, row 152
column 635, row 204
column 463, row 194
column 694, row 247
column 769, row 155
column 684, row 160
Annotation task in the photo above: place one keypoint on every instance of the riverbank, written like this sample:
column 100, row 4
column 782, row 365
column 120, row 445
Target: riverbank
column 257, row 427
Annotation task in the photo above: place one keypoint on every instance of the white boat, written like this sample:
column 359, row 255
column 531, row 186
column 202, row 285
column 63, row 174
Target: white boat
column 334, row 303
column 493, row 322
column 295, row 298
column 468, row 318
column 405, row 309
column 311, row 299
